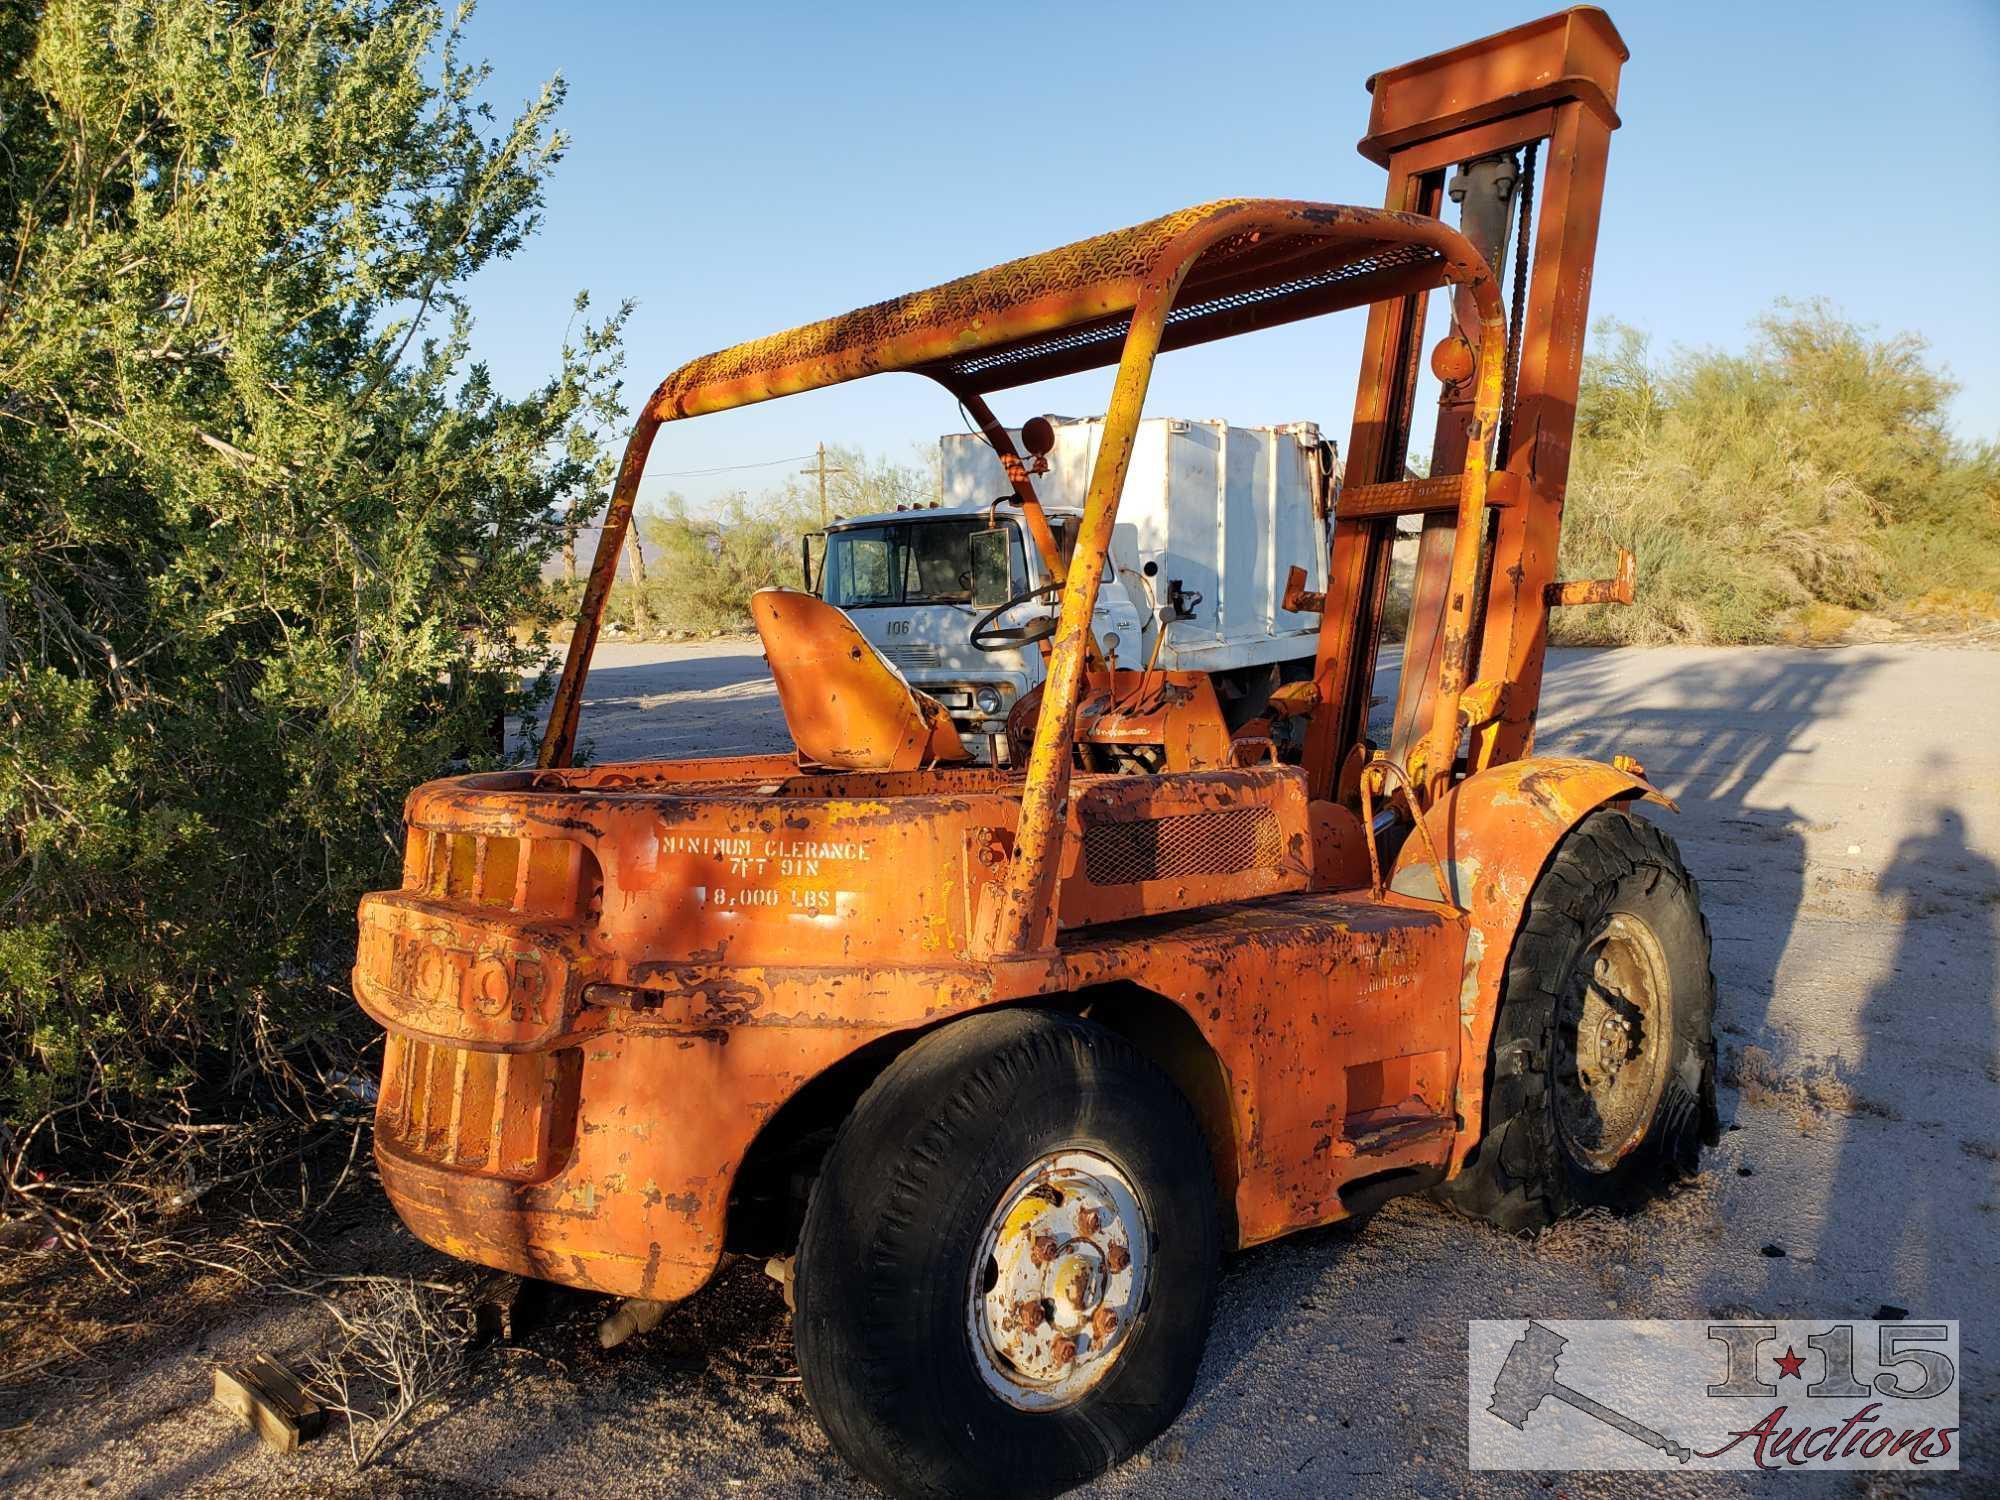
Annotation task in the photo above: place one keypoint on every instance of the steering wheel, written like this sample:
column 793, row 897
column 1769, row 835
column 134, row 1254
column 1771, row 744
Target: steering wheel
column 986, row 636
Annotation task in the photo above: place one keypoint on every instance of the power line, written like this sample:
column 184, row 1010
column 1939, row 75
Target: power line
column 767, row 463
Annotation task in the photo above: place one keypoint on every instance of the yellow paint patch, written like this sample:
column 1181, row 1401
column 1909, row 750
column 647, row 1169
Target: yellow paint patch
column 1024, row 1215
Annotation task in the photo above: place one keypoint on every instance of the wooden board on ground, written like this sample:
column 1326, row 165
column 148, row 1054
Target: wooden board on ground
column 268, row 1397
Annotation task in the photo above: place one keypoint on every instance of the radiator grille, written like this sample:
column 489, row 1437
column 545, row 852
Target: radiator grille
column 915, row 654
column 1209, row 843
column 505, row 1114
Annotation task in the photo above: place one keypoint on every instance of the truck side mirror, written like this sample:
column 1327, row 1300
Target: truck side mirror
column 992, row 572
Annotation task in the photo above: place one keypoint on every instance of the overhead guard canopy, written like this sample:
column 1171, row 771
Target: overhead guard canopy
column 1223, row 268
column 1261, row 262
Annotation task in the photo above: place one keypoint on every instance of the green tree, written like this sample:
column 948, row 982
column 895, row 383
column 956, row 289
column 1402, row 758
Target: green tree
column 708, row 563
column 267, row 535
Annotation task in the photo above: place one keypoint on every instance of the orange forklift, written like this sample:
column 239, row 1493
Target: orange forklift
column 993, row 1062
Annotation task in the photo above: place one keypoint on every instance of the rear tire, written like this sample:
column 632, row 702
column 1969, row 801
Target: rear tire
column 1601, row 1082
column 993, row 1168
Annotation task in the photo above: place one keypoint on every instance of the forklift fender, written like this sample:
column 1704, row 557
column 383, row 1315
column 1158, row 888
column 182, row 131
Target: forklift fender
column 1495, row 832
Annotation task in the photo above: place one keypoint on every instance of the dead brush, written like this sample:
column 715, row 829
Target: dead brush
column 1813, row 1092
column 1589, row 1234
column 1596, row 1237
column 399, row 1345
column 145, row 1177
column 150, row 1219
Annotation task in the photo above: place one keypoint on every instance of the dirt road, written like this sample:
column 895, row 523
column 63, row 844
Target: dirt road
column 1842, row 810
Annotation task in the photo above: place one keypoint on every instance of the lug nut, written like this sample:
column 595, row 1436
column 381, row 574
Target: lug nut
column 1117, row 1257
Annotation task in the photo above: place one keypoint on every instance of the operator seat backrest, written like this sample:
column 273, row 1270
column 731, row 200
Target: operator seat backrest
column 845, row 703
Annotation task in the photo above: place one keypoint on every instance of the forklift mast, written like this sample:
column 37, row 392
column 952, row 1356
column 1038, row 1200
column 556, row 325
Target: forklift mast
column 1536, row 102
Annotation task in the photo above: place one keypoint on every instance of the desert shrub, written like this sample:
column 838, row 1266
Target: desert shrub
column 704, row 565
column 1808, row 478
column 263, row 526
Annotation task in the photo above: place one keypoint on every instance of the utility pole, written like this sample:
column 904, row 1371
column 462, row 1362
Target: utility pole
column 642, row 616
column 822, row 470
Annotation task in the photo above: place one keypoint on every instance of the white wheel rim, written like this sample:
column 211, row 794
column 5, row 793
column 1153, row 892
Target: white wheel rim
column 1059, row 1280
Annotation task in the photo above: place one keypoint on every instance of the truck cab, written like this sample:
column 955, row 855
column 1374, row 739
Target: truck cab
column 1209, row 511
column 906, row 579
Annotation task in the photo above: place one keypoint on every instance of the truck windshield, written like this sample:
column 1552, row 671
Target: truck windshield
column 909, row 562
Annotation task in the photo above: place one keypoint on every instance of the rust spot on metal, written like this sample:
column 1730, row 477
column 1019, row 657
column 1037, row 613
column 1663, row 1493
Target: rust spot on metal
column 1618, row 589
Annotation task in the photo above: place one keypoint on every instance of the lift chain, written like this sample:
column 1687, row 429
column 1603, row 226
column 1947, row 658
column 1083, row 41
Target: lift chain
column 1517, row 309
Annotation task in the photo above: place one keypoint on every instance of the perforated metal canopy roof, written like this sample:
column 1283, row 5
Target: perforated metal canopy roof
column 1254, row 263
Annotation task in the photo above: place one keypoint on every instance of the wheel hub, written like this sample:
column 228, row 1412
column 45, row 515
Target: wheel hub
column 1611, row 1046
column 1616, row 1036
column 1058, row 1280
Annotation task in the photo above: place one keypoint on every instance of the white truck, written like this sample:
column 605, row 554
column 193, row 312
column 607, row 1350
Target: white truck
column 1212, row 520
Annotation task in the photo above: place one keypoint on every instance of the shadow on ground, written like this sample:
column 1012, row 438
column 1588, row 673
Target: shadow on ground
column 1853, row 916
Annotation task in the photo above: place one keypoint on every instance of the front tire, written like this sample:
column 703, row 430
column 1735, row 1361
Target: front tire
column 1009, row 1261
column 1602, row 1078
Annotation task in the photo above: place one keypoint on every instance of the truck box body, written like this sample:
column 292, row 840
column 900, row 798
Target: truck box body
column 1226, row 510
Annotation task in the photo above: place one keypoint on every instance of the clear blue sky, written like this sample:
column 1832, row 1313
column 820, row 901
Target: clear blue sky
column 741, row 168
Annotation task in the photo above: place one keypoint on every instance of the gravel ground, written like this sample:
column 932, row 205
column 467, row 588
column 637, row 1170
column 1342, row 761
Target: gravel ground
column 1842, row 811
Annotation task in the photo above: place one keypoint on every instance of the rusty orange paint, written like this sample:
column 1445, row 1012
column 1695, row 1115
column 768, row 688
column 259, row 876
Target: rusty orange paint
column 1496, row 830
column 602, row 986
column 844, row 704
column 522, row 1126
column 1620, row 588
